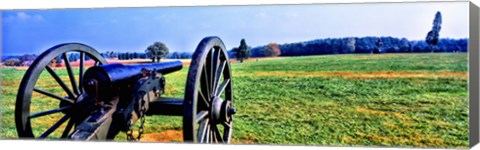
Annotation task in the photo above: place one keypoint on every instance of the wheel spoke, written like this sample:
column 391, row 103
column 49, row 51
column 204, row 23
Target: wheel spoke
column 226, row 124
column 205, row 100
column 60, row 82
column 214, row 65
column 227, row 134
column 208, row 71
column 53, row 95
column 213, row 134
column 70, row 73
column 203, row 131
column 67, row 128
column 48, row 112
column 222, row 86
column 205, row 87
column 218, row 75
column 210, row 133
column 201, row 115
column 207, row 134
column 55, row 126
column 217, row 134
column 82, row 68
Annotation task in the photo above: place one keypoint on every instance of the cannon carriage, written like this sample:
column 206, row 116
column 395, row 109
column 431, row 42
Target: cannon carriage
column 105, row 99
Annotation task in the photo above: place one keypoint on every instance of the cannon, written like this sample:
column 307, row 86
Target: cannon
column 100, row 101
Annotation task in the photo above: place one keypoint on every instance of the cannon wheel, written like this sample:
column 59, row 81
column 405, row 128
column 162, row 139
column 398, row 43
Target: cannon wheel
column 68, row 102
column 208, row 103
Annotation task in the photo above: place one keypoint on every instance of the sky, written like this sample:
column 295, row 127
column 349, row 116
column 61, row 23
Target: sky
column 182, row 28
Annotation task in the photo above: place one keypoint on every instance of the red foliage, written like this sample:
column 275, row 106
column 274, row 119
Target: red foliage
column 272, row 50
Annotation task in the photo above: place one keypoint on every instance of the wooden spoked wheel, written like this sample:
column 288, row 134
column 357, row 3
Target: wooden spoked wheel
column 49, row 100
column 208, row 104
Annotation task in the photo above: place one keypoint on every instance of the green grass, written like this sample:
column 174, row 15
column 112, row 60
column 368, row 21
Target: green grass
column 427, row 111
column 362, row 63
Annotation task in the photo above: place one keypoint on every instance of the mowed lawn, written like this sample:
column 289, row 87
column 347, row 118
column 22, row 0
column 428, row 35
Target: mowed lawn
column 403, row 100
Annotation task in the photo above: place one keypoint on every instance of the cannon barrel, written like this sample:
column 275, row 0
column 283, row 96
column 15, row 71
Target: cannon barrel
column 118, row 72
column 114, row 75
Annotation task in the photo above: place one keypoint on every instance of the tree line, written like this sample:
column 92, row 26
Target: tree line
column 27, row 59
column 355, row 45
column 349, row 45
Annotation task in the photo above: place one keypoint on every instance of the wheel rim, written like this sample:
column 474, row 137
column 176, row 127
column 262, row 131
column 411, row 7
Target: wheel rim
column 67, row 101
column 208, row 104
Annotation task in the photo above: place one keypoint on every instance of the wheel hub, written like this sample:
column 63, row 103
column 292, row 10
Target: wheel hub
column 221, row 110
column 76, row 101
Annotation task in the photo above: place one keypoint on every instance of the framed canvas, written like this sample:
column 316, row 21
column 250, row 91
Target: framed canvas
column 286, row 74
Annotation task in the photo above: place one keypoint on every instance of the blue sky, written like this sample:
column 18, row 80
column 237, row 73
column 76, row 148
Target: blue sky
column 181, row 28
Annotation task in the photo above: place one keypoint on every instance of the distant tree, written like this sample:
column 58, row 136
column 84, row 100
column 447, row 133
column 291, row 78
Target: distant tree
column 272, row 50
column 135, row 55
column 349, row 46
column 112, row 54
column 378, row 48
column 27, row 57
column 12, row 62
column 242, row 52
column 58, row 60
column 404, row 45
column 73, row 57
column 434, row 34
column 124, row 56
column 127, row 56
column 185, row 55
column 234, row 53
column 104, row 55
column 175, row 55
column 157, row 51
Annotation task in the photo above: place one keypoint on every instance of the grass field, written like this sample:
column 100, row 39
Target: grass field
column 403, row 100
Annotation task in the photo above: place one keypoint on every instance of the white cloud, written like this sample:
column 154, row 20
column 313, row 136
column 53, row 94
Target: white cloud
column 22, row 16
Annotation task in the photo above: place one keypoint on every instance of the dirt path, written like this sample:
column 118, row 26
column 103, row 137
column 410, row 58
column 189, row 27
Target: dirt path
column 165, row 136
